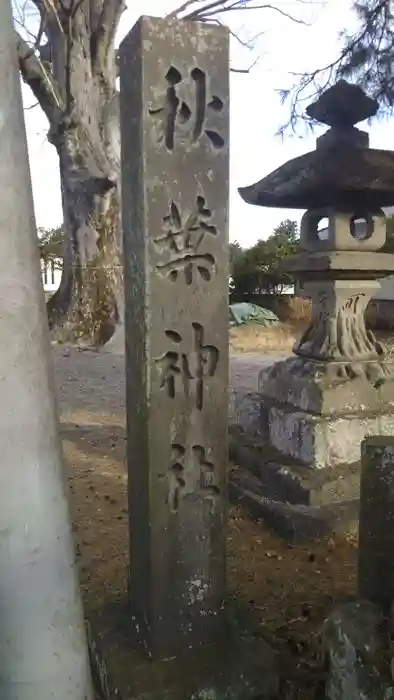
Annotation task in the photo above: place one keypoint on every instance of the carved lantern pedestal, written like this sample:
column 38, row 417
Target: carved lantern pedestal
column 315, row 408
column 338, row 386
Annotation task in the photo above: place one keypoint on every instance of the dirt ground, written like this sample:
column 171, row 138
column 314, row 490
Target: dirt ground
column 290, row 589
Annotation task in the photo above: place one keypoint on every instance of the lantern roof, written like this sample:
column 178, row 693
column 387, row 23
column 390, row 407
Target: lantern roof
column 343, row 171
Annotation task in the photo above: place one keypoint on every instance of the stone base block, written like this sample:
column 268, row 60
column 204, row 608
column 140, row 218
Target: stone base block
column 296, row 501
column 295, row 523
column 242, row 666
column 281, row 478
column 324, row 441
column 329, row 388
column 355, row 646
column 248, row 413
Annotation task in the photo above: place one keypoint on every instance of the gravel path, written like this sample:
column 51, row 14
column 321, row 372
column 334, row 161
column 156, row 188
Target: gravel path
column 94, row 381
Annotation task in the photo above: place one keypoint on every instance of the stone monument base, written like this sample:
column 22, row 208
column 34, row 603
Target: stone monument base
column 319, row 412
column 242, row 666
column 298, row 502
column 322, row 442
column 297, row 441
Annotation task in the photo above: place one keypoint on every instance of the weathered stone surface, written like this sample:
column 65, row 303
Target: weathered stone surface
column 296, row 523
column 328, row 388
column 353, row 644
column 376, row 529
column 324, row 441
column 337, row 331
column 242, row 667
column 249, row 413
column 342, row 106
column 362, row 178
column 338, row 264
column 342, row 231
column 284, row 479
column 342, row 173
column 317, row 407
column 43, row 650
column 338, row 137
column 174, row 121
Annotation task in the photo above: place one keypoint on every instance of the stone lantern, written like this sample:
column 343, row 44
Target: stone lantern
column 338, row 387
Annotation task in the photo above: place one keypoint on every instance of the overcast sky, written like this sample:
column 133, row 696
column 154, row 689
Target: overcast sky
column 256, row 112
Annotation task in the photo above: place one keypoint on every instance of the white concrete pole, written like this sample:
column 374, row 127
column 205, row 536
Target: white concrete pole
column 43, row 653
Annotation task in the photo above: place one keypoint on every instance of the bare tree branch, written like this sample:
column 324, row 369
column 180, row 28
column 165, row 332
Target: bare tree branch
column 104, row 29
column 182, row 8
column 112, row 11
column 21, row 24
column 367, row 58
column 211, row 9
column 245, row 70
column 206, row 15
column 39, row 80
column 247, row 44
column 40, row 31
column 48, row 6
column 217, row 5
column 208, row 10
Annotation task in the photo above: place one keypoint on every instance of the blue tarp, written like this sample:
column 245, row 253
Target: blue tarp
column 244, row 313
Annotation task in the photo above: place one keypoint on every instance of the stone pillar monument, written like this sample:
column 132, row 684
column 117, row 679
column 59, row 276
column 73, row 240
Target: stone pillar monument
column 317, row 406
column 42, row 642
column 183, row 640
column 376, row 534
column 174, row 121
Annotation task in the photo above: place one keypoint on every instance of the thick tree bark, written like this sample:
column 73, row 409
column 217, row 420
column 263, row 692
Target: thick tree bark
column 76, row 89
column 89, row 302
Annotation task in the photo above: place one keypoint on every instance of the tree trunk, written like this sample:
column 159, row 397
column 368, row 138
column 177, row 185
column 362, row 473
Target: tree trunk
column 89, row 302
column 76, row 87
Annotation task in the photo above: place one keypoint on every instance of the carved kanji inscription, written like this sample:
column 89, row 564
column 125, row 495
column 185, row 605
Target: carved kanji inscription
column 181, row 242
column 174, row 111
column 185, row 371
column 174, row 104
column 190, row 473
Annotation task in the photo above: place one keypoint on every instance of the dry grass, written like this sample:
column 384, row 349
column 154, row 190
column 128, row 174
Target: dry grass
column 256, row 338
column 281, row 338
